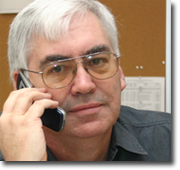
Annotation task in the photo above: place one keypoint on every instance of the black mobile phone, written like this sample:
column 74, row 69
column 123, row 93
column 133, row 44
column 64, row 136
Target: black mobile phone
column 52, row 118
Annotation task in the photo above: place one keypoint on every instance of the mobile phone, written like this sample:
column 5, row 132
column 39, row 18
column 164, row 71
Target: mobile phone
column 52, row 118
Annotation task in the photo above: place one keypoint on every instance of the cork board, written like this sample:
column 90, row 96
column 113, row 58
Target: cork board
column 5, row 84
column 142, row 39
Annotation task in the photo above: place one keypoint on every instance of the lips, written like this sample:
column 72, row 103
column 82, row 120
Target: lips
column 91, row 107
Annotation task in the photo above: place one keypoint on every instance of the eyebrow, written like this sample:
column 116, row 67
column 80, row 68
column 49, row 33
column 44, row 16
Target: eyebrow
column 99, row 48
column 52, row 58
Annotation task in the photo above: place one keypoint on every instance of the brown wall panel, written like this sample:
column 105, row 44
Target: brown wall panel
column 142, row 30
column 5, row 84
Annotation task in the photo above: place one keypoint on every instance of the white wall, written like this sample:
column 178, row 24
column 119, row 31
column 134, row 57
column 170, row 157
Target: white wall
column 13, row 6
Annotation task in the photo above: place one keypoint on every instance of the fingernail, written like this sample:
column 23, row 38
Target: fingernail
column 42, row 89
column 56, row 102
column 48, row 94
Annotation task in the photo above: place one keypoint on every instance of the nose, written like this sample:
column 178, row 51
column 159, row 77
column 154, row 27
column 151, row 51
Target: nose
column 82, row 83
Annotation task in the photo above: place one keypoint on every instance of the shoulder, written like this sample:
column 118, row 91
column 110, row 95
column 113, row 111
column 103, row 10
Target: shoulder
column 143, row 120
column 151, row 129
column 136, row 117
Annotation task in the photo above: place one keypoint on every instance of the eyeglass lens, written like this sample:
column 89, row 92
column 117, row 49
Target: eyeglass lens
column 100, row 66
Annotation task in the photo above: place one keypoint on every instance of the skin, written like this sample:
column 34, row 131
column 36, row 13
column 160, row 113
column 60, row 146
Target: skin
column 92, row 105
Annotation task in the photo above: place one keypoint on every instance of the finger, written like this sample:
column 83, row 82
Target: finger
column 38, row 107
column 25, row 100
column 13, row 96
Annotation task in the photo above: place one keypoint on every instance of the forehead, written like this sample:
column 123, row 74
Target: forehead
column 84, row 34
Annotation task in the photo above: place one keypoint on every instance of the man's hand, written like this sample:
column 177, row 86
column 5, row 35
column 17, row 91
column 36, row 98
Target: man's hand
column 21, row 134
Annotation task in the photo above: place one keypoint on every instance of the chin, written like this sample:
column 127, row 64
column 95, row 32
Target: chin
column 90, row 130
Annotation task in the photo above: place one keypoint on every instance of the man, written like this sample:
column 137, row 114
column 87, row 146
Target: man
column 68, row 50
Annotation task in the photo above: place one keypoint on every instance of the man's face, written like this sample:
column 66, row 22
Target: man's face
column 92, row 105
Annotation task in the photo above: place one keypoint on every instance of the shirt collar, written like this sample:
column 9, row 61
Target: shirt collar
column 121, row 137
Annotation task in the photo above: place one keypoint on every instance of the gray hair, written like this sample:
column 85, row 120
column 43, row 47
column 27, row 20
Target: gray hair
column 50, row 19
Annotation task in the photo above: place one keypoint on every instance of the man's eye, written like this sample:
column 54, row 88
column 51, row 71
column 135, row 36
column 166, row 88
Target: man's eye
column 57, row 69
column 97, row 61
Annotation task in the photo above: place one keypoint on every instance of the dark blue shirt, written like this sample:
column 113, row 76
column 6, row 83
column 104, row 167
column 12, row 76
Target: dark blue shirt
column 138, row 136
column 141, row 136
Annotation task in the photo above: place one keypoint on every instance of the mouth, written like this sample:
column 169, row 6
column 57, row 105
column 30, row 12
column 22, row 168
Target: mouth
column 86, row 108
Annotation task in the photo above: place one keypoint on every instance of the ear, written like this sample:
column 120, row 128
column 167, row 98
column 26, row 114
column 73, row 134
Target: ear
column 122, row 77
column 15, row 77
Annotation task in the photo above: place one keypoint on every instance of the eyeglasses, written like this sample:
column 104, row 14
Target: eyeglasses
column 59, row 74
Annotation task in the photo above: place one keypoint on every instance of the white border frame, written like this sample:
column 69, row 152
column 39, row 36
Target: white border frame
column 168, row 56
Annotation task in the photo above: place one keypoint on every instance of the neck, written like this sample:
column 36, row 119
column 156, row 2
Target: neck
column 75, row 149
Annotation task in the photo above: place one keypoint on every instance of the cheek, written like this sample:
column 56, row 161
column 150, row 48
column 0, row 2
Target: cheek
column 60, row 95
column 113, row 90
column 36, row 80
